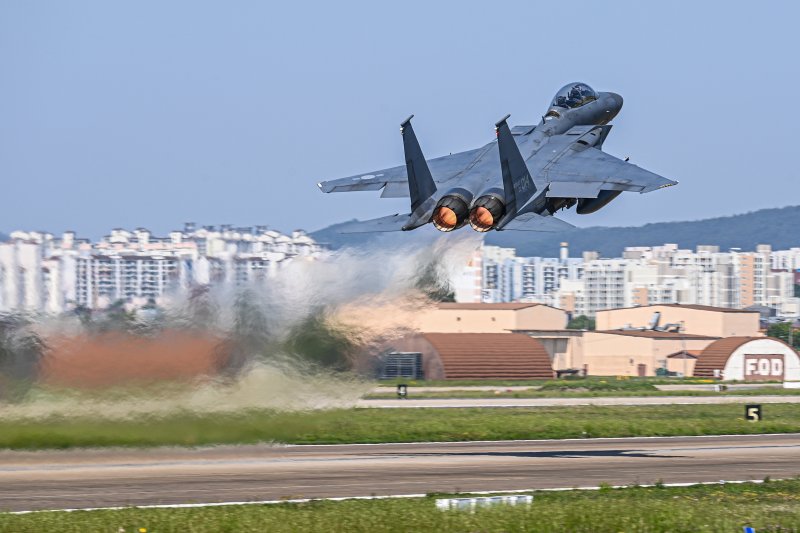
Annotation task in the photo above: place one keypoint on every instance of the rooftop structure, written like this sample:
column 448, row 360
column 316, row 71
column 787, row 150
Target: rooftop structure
column 691, row 319
column 490, row 318
column 651, row 334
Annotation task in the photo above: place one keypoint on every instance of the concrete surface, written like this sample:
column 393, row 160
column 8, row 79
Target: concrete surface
column 489, row 388
column 114, row 477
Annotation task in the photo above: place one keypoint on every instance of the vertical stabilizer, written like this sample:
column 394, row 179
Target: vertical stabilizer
column 517, row 183
column 420, row 181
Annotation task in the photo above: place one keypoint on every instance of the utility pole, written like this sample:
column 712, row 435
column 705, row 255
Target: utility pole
column 683, row 349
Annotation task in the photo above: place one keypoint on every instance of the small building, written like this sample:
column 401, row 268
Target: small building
column 560, row 344
column 632, row 352
column 682, row 362
column 619, row 352
column 693, row 319
column 491, row 318
column 749, row 359
column 478, row 355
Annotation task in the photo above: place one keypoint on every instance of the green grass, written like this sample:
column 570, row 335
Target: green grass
column 577, row 392
column 598, row 385
column 395, row 425
column 769, row 507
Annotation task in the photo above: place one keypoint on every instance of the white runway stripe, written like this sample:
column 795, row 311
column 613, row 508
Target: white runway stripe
column 387, row 497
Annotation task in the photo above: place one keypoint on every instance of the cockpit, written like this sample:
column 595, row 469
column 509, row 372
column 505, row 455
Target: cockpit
column 574, row 95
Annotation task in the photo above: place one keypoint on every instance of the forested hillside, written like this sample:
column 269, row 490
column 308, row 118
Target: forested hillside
column 779, row 227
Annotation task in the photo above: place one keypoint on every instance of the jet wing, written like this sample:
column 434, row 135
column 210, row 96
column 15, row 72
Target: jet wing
column 582, row 172
column 372, row 181
column 395, row 179
column 535, row 222
column 376, row 225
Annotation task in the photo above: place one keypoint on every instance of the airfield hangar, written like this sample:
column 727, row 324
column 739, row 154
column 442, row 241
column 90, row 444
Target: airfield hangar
column 475, row 341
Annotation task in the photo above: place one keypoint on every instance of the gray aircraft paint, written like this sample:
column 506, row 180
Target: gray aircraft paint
column 562, row 155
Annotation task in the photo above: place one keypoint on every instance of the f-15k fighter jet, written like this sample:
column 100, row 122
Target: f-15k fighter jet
column 515, row 183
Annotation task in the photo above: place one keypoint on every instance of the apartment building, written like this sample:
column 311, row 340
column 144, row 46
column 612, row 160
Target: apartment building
column 645, row 276
column 508, row 278
column 39, row 272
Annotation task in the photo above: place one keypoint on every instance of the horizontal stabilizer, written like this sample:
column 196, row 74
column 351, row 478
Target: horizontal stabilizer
column 372, row 181
column 376, row 225
column 534, row 222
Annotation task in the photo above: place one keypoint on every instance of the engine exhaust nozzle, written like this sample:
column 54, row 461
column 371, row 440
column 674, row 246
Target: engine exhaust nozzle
column 451, row 212
column 486, row 212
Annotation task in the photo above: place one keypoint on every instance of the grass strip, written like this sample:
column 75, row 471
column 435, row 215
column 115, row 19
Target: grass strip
column 396, row 425
column 772, row 506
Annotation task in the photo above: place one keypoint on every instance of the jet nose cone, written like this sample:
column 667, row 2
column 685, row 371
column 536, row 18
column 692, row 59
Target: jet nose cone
column 616, row 101
column 612, row 103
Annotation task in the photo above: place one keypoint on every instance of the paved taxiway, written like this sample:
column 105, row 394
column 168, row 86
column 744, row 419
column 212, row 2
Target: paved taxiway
column 119, row 477
column 556, row 402
column 708, row 387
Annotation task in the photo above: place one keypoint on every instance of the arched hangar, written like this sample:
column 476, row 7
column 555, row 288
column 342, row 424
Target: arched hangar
column 749, row 359
column 479, row 355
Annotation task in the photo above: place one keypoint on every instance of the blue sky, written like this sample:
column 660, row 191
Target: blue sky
column 125, row 114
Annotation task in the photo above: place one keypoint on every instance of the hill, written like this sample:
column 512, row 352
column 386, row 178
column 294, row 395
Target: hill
column 778, row 227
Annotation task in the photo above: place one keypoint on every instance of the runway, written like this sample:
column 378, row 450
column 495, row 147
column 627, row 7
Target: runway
column 120, row 477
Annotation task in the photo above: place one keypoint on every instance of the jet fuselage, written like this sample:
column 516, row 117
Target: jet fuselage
column 471, row 195
column 515, row 182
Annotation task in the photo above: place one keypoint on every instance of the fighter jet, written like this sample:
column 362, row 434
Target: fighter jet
column 516, row 182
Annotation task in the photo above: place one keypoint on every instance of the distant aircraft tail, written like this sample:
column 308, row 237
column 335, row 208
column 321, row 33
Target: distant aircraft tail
column 518, row 185
column 420, row 181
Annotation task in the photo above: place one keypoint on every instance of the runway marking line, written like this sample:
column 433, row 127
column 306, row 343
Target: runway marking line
column 523, row 441
column 387, row 497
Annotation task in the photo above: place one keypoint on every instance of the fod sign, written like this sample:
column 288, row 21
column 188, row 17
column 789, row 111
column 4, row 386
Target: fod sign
column 763, row 367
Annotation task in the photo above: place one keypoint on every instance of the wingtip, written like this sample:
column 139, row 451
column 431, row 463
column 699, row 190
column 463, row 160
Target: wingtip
column 651, row 188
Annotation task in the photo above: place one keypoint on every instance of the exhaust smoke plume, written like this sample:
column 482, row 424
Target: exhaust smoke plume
column 295, row 341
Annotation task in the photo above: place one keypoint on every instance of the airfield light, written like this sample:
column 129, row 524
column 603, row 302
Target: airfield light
column 402, row 391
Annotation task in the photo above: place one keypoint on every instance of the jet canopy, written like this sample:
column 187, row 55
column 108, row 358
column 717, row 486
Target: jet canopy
column 574, row 95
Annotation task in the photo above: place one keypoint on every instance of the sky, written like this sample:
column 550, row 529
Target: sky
column 151, row 114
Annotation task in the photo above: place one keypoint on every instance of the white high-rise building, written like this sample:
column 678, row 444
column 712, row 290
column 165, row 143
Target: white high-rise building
column 508, row 278
column 644, row 276
column 41, row 273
